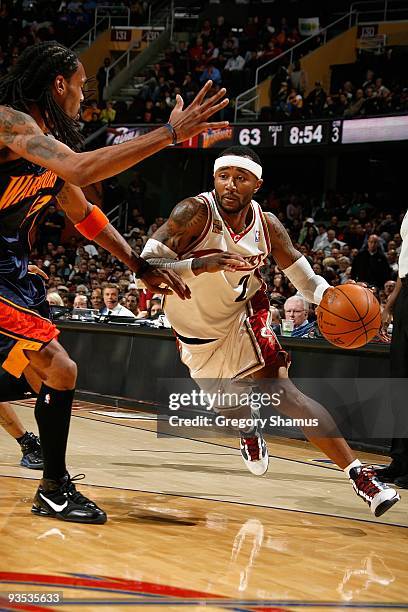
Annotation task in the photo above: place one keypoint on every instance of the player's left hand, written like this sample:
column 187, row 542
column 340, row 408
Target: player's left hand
column 36, row 270
column 165, row 282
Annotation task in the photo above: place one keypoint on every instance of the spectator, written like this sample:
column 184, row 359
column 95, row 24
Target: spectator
column 80, row 301
column 330, row 242
column 54, row 299
column 321, row 238
column 211, row 72
column 356, row 106
column 132, row 303
column 197, row 50
column 111, row 302
column 101, row 76
column 211, row 53
column 108, row 114
column 344, row 269
column 370, row 265
column 96, row 299
column 389, row 287
column 155, row 308
column 316, row 99
column 294, row 209
column 369, row 80
column 275, row 319
column 279, row 284
column 297, row 309
column 51, row 226
column 236, row 62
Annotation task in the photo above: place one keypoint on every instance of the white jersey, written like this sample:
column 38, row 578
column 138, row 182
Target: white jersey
column 403, row 258
column 218, row 298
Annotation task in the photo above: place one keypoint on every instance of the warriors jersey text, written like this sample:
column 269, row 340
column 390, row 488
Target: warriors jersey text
column 26, row 189
column 217, row 299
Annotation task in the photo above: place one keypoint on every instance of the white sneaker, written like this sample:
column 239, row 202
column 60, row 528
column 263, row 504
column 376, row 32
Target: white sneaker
column 254, row 452
column 379, row 496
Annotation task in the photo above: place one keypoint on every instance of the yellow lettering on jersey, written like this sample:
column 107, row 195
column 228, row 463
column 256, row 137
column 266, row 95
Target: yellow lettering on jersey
column 15, row 187
column 21, row 187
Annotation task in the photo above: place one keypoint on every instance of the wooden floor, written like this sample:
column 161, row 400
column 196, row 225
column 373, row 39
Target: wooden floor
column 190, row 528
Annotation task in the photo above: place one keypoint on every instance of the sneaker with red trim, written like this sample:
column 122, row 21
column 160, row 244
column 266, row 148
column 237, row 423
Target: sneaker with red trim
column 254, row 451
column 379, row 496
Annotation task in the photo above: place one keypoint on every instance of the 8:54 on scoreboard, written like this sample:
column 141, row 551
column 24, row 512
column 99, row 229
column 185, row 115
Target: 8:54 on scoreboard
column 291, row 134
column 324, row 132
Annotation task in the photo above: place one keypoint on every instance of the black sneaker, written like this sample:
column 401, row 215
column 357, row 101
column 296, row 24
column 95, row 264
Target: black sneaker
column 60, row 499
column 390, row 473
column 402, row 481
column 379, row 496
column 31, row 449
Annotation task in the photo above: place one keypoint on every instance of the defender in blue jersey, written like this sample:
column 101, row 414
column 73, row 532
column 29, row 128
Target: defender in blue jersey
column 39, row 161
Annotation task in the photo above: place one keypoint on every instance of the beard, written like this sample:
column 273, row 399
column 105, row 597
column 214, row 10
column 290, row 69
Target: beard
column 240, row 205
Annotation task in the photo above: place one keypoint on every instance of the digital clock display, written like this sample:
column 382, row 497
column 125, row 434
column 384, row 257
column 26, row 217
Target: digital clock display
column 324, row 133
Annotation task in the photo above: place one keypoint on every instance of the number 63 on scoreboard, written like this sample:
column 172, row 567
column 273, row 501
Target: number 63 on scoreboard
column 291, row 134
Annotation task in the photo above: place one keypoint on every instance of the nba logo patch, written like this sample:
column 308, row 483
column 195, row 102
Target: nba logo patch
column 217, row 227
column 257, row 235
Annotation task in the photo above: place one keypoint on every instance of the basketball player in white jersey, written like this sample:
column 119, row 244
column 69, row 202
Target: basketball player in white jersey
column 217, row 241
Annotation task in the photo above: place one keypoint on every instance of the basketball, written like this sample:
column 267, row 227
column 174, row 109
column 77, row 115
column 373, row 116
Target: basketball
column 349, row 316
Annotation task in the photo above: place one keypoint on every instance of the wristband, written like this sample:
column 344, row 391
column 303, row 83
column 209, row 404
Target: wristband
column 93, row 223
column 172, row 131
column 143, row 268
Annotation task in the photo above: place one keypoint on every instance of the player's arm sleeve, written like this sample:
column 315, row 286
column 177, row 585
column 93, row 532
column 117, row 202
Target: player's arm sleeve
column 310, row 285
column 161, row 256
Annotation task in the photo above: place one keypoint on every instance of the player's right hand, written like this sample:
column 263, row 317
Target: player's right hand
column 386, row 317
column 230, row 262
column 194, row 119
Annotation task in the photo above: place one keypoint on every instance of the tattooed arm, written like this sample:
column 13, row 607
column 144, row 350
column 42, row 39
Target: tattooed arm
column 185, row 225
column 21, row 134
column 73, row 202
column 282, row 249
column 293, row 264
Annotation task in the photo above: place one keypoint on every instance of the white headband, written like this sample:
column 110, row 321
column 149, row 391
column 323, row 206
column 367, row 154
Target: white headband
column 225, row 161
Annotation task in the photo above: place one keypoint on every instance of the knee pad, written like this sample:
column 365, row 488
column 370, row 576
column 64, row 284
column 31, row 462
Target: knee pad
column 12, row 388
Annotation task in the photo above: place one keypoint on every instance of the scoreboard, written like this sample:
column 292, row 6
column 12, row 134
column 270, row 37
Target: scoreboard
column 302, row 134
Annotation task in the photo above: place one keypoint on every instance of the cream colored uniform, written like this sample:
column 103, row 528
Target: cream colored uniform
column 224, row 330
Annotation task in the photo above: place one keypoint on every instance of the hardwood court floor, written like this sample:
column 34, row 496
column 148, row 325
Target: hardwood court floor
column 189, row 528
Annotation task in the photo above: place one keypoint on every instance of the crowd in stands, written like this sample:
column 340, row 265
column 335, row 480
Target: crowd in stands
column 374, row 94
column 373, row 86
column 26, row 22
column 227, row 55
column 357, row 238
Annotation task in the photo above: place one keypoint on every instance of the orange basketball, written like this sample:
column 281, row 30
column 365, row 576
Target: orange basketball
column 349, row 316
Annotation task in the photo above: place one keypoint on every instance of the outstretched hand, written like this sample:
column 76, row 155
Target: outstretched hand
column 194, row 119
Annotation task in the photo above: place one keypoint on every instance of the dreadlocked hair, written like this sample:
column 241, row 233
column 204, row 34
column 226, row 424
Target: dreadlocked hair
column 29, row 82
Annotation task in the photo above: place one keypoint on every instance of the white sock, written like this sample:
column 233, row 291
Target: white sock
column 354, row 464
